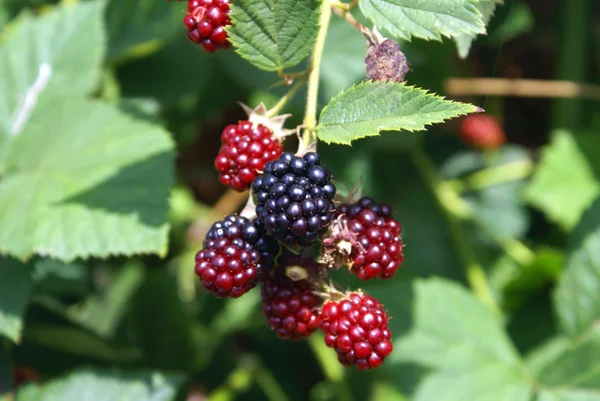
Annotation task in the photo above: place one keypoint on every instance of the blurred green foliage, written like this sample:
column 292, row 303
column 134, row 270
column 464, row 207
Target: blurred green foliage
column 134, row 326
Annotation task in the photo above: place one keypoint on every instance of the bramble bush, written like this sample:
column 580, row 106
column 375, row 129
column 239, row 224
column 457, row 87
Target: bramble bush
column 161, row 159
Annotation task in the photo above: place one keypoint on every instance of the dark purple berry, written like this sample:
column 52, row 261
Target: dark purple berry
column 292, row 191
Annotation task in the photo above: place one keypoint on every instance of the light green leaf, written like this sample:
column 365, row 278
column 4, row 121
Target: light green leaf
column 568, row 395
column 137, row 28
column 577, row 297
column 576, row 367
column 61, row 59
column 15, row 287
column 464, row 41
column 571, row 372
column 472, row 358
column 564, row 184
column 84, row 179
column 442, row 338
column 89, row 385
column 274, row 34
column 370, row 107
column 426, row 19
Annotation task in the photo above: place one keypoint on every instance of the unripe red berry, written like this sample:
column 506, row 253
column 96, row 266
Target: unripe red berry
column 206, row 21
column 244, row 151
column 290, row 306
column 357, row 328
column 481, row 131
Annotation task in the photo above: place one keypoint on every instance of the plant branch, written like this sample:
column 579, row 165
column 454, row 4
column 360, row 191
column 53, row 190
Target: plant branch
column 447, row 199
column 312, row 99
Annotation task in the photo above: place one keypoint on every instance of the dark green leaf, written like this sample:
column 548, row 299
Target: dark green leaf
column 15, row 287
column 274, row 34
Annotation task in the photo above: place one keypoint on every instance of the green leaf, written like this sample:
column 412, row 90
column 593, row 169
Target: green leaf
column 565, row 184
column 138, row 27
column 57, row 61
column 461, row 340
column 79, row 342
column 576, row 367
column 102, row 313
column 95, row 185
column 426, row 19
column 15, row 287
column 88, row 385
column 572, row 373
column 577, row 297
column 370, row 107
column 464, row 41
column 274, row 34
column 55, row 278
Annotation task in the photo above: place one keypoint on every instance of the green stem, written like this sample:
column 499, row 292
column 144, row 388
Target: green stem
column 447, row 200
column 286, row 98
column 312, row 99
column 491, row 176
column 332, row 369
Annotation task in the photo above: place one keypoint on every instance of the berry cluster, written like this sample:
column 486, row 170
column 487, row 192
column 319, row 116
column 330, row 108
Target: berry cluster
column 293, row 218
column 205, row 21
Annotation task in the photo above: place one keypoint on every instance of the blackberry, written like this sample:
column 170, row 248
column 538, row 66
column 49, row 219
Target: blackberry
column 357, row 328
column 481, row 131
column 245, row 150
column 235, row 252
column 376, row 245
column 294, row 198
column 386, row 62
column 206, row 21
column 290, row 306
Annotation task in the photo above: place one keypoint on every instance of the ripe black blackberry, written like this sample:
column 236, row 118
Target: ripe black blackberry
column 235, row 252
column 294, row 198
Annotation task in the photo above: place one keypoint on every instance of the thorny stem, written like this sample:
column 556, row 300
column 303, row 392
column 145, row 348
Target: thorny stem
column 475, row 273
column 286, row 98
column 310, row 118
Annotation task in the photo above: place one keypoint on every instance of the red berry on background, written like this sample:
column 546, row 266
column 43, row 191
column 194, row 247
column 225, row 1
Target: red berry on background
column 290, row 307
column 206, row 21
column 481, row 131
column 244, row 151
column 357, row 328
column 25, row 374
column 235, row 252
column 373, row 236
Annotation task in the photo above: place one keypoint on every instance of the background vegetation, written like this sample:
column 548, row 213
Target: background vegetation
column 98, row 299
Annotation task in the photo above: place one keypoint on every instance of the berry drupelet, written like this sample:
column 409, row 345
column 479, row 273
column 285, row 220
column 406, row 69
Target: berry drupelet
column 235, row 252
column 290, row 306
column 206, row 21
column 378, row 251
column 357, row 328
column 294, row 198
column 245, row 150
